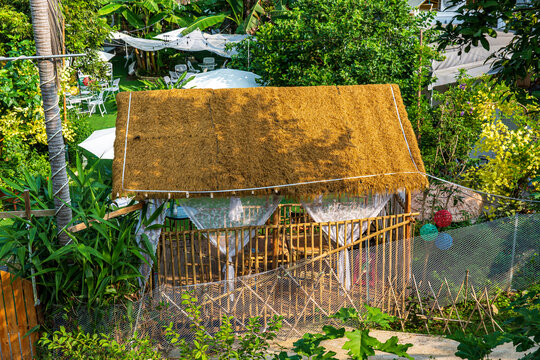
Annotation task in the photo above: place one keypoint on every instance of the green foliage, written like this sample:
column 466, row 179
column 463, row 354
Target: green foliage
column 523, row 330
column 85, row 29
column 474, row 347
column 360, row 344
column 476, row 21
column 80, row 346
column 509, row 140
column 225, row 344
column 159, row 84
column 98, row 267
column 15, row 26
column 341, row 42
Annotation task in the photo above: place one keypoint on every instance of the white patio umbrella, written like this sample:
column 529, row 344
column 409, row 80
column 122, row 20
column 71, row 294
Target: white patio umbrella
column 223, row 78
column 101, row 143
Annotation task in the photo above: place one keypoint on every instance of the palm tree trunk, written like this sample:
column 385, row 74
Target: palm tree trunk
column 53, row 123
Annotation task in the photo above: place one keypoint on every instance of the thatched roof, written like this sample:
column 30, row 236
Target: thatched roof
column 211, row 140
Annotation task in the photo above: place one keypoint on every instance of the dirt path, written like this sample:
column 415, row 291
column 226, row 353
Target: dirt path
column 424, row 347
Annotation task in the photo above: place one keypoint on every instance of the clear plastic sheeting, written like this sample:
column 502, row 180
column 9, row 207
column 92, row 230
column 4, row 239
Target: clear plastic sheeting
column 234, row 212
column 146, row 228
column 332, row 208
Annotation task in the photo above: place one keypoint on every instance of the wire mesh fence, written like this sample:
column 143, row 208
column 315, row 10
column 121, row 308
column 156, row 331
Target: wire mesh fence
column 384, row 272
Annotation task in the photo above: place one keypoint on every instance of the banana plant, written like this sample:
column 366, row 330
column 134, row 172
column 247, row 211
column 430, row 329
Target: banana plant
column 239, row 12
column 148, row 17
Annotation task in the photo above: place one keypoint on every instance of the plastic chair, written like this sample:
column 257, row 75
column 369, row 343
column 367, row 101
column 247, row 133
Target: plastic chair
column 97, row 102
column 191, row 68
column 174, row 77
column 114, row 88
column 209, row 63
column 168, row 81
column 180, row 69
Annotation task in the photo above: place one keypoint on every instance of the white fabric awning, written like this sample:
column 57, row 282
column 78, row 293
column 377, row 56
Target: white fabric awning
column 194, row 41
column 474, row 62
column 105, row 56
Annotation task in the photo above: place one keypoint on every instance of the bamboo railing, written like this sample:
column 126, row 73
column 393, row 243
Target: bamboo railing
column 188, row 256
column 299, row 271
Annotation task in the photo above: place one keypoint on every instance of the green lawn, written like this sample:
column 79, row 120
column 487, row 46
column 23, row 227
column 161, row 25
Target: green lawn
column 98, row 122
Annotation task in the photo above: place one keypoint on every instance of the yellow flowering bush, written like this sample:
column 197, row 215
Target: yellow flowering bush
column 509, row 142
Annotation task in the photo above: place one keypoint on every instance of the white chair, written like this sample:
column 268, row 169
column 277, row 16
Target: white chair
column 191, row 68
column 114, row 88
column 209, row 63
column 97, row 102
column 168, row 81
column 174, row 77
column 224, row 66
column 180, row 69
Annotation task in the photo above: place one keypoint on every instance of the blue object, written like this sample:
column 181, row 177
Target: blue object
column 429, row 232
column 444, row 241
column 180, row 213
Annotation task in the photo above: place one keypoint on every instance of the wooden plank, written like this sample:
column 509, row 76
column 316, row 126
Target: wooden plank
column 111, row 215
column 22, row 213
column 22, row 324
column 4, row 337
column 30, row 311
column 11, row 317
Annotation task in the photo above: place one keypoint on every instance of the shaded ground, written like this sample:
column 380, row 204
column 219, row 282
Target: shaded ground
column 424, row 347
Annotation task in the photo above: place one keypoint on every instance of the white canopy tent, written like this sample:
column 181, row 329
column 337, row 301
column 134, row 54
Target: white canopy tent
column 194, row 41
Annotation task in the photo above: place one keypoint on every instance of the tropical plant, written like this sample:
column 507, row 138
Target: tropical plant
column 342, row 42
column 360, row 344
column 79, row 345
column 99, row 265
column 147, row 17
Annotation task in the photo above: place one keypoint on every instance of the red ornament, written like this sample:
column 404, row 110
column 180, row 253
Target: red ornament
column 86, row 81
column 442, row 218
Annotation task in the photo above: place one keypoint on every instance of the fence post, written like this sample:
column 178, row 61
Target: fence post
column 513, row 252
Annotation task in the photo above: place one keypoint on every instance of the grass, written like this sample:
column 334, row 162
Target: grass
column 108, row 120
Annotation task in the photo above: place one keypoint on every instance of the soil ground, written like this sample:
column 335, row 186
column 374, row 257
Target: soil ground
column 424, row 347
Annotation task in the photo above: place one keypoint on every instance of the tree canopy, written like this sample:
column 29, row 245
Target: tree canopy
column 342, row 42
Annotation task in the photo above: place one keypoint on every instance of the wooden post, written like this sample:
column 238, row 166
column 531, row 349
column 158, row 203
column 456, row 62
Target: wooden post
column 275, row 238
column 408, row 231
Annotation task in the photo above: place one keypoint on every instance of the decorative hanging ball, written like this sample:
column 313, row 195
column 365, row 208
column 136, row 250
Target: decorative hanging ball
column 442, row 218
column 429, row 232
column 444, row 241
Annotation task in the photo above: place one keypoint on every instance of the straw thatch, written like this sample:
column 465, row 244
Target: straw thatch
column 209, row 140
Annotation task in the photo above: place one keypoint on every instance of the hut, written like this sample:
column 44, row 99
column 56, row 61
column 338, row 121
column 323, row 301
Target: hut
column 272, row 176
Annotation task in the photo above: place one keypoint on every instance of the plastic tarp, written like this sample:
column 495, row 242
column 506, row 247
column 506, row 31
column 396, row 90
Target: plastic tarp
column 194, row 41
column 474, row 62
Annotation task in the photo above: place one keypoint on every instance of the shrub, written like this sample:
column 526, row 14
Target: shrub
column 99, row 266
column 80, row 345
